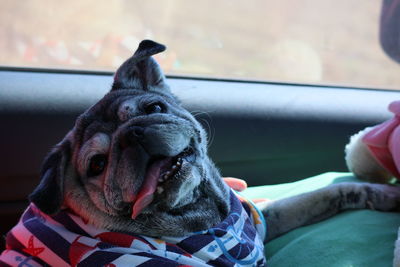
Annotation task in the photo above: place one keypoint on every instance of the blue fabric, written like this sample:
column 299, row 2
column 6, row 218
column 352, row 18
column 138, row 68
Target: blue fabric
column 65, row 239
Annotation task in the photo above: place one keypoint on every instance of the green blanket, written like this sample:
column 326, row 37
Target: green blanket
column 353, row 238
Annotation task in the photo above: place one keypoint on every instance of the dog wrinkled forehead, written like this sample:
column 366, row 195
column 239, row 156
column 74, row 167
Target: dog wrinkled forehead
column 120, row 105
column 116, row 108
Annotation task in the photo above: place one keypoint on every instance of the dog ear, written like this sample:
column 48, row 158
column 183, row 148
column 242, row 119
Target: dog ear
column 141, row 71
column 48, row 195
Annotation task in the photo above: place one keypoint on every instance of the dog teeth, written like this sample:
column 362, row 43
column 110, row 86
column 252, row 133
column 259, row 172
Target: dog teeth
column 173, row 170
column 160, row 189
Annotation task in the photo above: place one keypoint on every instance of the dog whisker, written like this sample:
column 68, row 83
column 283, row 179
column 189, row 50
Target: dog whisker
column 199, row 115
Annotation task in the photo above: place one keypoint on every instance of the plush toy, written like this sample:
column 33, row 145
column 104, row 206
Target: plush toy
column 373, row 155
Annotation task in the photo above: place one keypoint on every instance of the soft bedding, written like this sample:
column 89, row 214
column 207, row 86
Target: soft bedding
column 352, row 238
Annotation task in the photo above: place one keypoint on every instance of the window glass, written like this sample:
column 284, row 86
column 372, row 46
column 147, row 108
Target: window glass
column 309, row 41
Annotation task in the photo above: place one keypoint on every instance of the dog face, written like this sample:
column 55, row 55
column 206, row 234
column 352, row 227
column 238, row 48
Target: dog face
column 136, row 161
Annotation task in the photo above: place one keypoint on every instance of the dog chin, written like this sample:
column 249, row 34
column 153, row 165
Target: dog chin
column 181, row 189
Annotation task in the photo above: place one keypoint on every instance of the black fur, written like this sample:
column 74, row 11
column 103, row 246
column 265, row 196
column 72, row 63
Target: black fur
column 138, row 71
column 48, row 195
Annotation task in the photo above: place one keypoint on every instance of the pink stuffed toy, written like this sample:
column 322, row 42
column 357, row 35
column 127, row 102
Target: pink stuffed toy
column 373, row 154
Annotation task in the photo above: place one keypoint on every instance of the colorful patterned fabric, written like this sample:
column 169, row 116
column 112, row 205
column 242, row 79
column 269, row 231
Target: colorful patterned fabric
column 66, row 240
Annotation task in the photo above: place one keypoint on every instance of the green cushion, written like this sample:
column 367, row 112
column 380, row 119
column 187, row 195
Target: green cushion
column 352, row 238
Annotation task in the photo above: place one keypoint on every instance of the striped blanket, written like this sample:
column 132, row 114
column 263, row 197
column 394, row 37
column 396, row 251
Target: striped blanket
column 66, row 240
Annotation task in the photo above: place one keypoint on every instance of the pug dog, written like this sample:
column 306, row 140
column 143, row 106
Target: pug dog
column 132, row 185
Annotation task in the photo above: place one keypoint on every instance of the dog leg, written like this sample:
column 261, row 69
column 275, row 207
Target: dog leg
column 290, row 213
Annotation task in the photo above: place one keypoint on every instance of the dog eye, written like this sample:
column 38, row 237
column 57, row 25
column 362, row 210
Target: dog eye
column 154, row 108
column 97, row 165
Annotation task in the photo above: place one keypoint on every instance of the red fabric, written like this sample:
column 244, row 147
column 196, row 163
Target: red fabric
column 120, row 239
column 78, row 250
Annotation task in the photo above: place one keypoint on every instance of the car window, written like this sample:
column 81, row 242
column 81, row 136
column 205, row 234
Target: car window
column 309, row 41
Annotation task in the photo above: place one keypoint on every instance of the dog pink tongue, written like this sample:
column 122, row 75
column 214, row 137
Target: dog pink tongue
column 146, row 193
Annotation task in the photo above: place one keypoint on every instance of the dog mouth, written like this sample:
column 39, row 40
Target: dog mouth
column 159, row 171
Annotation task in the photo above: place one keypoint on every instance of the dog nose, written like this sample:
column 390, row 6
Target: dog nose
column 166, row 139
column 137, row 132
column 133, row 135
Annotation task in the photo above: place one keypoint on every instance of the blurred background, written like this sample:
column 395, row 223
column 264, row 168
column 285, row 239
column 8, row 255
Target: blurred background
column 330, row 42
